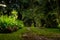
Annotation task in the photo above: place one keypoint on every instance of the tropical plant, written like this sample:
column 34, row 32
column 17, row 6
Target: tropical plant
column 9, row 24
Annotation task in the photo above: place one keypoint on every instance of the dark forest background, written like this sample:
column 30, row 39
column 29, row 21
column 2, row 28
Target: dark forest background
column 37, row 13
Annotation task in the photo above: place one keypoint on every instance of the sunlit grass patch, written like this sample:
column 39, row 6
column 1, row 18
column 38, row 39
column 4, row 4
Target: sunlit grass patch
column 13, row 36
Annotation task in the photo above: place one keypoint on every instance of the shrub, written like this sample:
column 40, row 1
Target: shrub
column 9, row 24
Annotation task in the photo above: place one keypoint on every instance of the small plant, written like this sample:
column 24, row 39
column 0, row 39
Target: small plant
column 9, row 24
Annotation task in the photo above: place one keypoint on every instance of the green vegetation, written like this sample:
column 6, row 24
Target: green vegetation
column 13, row 36
column 19, row 17
column 9, row 24
column 18, row 35
column 49, row 32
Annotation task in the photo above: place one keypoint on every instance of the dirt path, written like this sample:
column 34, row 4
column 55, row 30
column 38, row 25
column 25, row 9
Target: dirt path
column 33, row 36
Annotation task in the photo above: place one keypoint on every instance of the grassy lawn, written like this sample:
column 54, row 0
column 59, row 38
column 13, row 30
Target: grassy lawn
column 17, row 35
column 48, row 32
column 13, row 36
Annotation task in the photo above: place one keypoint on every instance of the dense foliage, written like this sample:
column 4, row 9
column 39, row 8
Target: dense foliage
column 9, row 24
column 39, row 13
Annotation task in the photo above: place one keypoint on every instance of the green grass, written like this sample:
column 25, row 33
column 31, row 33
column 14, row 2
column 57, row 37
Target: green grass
column 17, row 35
column 13, row 36
column 49, row 32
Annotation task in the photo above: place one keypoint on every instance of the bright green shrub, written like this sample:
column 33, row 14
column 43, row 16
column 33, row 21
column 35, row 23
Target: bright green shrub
column 9, row 24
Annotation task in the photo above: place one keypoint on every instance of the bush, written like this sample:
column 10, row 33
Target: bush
column 9, row 24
